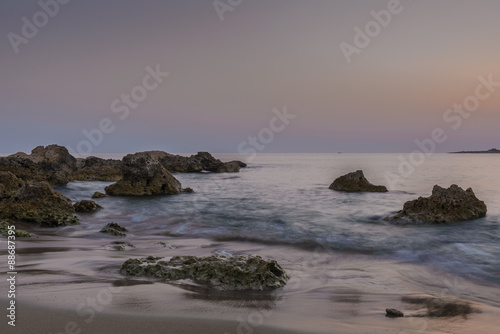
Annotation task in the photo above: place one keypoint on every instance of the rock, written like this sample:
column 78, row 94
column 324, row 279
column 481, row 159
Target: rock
column 98, row 195
column 38, row 202
column 86, row 206
column 9, row 184
column 393, row 313
column 444, row 206
column 142, row 175
column 197, row 163
column 23, row 168
column 121, row 245
column 114, row 229
column 221, row 272
column 355, row 182
column 188, row 190
column 4, row 230
column 441, row 307
column 97, row 169
column 209, row 163
column 53, row 164
column 179, row 164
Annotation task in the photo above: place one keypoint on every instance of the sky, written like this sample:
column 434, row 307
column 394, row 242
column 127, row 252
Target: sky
column 235, row 67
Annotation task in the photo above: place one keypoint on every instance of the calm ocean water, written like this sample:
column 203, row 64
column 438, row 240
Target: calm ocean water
column 284, row 198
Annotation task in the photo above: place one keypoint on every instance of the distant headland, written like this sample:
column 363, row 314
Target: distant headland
column 493, row 150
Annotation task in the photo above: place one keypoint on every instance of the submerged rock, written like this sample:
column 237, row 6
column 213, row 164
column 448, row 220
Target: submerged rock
column 221, row 272
column 4, row 230
column 97, row 169
column 98, row 195
column 9, row 184
column 393, row 313
column 86, row 206
column 114, row 229
column 355, row 182
column 444, row 206
column 38, row 202
column 143, row 175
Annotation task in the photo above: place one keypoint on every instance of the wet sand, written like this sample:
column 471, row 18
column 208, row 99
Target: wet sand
column 63, row 279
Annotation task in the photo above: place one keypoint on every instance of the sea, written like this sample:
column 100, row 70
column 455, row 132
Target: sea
column 284, row 199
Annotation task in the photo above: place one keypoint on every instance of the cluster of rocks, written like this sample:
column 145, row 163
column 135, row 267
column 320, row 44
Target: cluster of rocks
column 55, row 165
column 26, row 180
column 221, row 272
column 443, row 206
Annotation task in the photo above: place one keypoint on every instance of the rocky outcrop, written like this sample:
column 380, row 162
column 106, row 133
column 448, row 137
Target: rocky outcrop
column 38, row 202
column 143, row 175
column 86, row 206
column 97, row 169
column 209, row 163
column 221, row 272
column 53, row 164
column 9, row 184
column 444, row 206
column 22, row 168
column 355, row 182
column 203, row 161
column 114, row 229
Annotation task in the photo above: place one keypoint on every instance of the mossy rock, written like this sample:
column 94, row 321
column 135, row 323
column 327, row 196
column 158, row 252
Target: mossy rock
column 114, row 229
column 4, row 230
column 219, row 271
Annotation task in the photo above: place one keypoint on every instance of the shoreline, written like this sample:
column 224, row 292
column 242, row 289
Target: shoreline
column 328, row 291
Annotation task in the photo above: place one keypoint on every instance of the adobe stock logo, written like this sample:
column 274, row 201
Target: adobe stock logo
column 30, row 28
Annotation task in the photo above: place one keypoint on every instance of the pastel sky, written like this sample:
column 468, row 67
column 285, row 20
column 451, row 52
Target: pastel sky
column 226, row 76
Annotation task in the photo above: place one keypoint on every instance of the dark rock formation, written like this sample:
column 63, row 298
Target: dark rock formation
column 221, row 272
column 393, row 313
column 22, row 168
column 143, row 175
column 38, row 202
column 4, row 230
column 97, row 169
column 444, row 206
column 86, row 206
column 355, row 182
column 98, row 195
column 53, row 164
column 114, row 229
column 197, row 163
column 9, row 184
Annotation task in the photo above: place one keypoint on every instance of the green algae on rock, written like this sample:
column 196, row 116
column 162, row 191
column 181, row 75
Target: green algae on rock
column 4, row 230
column 221, row 272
